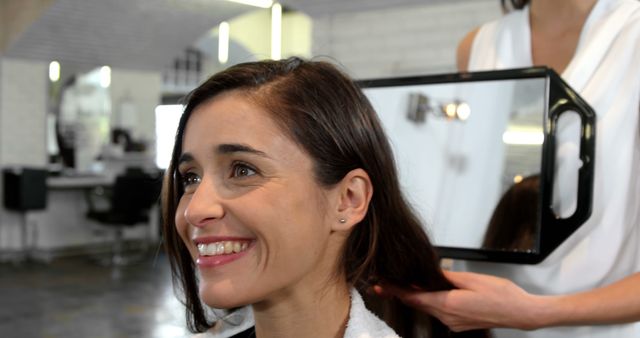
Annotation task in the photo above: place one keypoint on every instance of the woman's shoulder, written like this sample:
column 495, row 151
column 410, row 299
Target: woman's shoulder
column 363, row 323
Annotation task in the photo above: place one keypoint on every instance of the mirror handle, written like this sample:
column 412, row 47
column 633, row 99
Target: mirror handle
column 587, row 156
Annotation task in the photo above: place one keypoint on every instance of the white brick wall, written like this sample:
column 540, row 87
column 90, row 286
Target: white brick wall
column 409, row 40
column 23, row 99
column 23, row 108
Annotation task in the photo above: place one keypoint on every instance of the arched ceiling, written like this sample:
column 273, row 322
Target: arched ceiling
column 139, row 34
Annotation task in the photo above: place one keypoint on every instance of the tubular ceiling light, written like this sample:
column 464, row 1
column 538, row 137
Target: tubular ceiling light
column 256, row 3
column 223, row 42
column 105, row 76
column 54, row 71
column 276, row 31
column 523, row 137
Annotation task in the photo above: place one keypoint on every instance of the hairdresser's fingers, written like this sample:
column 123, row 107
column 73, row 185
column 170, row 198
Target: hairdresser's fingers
column 454, row 308
column 470, row 280
column 388, row 291
column 412, row 298
column 431, row 302
column 482, row 301
column 448, row 306
column 420, row 300
column 451, row 307
column 485, row 301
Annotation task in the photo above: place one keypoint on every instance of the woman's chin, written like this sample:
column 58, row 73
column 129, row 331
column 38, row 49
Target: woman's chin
column 223, row 300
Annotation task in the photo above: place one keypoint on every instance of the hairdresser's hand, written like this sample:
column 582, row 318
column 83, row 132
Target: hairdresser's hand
column 481, row 302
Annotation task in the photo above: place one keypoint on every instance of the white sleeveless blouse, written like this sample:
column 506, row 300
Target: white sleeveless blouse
column 605, row 70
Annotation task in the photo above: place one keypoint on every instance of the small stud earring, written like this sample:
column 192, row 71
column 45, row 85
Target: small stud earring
column 342, row 220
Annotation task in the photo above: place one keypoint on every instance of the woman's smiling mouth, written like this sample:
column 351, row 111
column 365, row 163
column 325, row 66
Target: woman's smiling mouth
column 222, row 248
column 214, row 252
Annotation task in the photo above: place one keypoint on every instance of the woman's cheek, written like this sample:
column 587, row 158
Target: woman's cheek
column 181, row 223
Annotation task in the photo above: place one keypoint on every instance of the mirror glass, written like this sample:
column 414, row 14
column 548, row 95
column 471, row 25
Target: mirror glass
column 83, row 118
column 468, row 153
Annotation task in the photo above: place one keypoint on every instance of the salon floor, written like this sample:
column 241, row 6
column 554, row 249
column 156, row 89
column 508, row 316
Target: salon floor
column 75, row 297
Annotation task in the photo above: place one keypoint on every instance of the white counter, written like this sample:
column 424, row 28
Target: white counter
column 63, row 226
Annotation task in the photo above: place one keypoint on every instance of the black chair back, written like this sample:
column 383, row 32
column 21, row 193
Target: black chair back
column 25, row 188
column 135, row 194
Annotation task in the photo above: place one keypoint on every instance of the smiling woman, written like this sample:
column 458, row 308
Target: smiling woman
column 282, row 203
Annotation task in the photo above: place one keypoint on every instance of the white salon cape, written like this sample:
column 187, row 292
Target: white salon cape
column 362, row 323
column 605, row 71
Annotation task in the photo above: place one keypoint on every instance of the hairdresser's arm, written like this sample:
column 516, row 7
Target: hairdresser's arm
column 486, row 302
column 463, row 52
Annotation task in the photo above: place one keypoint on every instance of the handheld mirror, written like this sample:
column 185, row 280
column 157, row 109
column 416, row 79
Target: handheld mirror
column 476, row 154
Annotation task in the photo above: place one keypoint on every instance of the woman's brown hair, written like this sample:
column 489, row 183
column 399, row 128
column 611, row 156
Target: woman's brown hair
column 325, row 112
column 514, row 222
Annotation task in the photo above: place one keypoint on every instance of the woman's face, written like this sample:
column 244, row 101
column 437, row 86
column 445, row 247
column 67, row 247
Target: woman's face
column 252, row 215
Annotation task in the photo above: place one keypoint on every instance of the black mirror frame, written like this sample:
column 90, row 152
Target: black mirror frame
column 561, row 98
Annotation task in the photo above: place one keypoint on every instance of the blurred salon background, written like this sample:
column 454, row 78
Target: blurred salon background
column 89, row 101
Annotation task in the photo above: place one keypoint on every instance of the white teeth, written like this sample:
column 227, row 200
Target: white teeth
column 222, row 248
column 210, row 249
column 228, row 247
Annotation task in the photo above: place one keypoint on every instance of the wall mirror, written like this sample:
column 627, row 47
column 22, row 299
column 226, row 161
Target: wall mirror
column 80, row 118
column 476, row 157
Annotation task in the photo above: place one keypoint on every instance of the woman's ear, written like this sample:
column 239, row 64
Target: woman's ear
column 354, row 194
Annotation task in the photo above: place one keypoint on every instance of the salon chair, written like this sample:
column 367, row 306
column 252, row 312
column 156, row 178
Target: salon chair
column 130, row 200
column 25, row 190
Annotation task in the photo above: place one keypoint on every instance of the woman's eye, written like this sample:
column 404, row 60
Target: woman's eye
column 242, row 170
column 190, row 179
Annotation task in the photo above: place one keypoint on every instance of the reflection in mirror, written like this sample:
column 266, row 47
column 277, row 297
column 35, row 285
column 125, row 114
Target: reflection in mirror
column 513, row 224
column 465, row 149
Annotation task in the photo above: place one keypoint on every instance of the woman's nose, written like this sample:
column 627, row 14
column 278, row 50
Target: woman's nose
column 204, row 206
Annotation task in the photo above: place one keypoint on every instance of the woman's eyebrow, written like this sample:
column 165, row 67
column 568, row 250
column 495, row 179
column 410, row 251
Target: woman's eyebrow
column 185, row 157
column 225, row 149
column 239, row 148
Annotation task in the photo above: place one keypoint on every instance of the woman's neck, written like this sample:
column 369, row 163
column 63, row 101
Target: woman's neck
column 556, row 26
column 553, row 13
column 319, row 312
